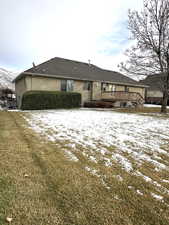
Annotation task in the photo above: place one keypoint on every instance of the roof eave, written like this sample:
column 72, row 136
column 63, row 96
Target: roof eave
column 73, row 78
column 18, row 77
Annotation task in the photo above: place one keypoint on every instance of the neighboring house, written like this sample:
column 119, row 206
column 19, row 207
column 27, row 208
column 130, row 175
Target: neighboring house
column 92, row 82
column 7, row 98
column 154, row 92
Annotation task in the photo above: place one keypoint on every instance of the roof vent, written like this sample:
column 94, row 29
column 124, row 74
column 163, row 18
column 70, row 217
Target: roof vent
column 89, row 61
column 33, row 64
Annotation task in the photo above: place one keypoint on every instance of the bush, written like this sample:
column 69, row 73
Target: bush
column 33, row 100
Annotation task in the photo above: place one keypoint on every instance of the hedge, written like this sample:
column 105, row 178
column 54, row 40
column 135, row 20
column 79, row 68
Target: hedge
column 35, row 100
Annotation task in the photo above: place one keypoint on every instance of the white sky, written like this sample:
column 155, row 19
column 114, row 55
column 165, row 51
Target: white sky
column 37, row 30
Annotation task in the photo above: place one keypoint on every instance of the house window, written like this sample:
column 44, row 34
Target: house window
column 67, row 85
column 108, row 87
column 126, row 89
column 63, row 85
column 103, row 87
column 113, row 88
column 87, row 86
column 70, row 84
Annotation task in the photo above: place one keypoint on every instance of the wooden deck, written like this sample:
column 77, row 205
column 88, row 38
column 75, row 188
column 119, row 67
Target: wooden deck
column 113, row 96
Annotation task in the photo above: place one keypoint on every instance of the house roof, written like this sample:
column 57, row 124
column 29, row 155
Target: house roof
column 155, row 82
column 65, row 68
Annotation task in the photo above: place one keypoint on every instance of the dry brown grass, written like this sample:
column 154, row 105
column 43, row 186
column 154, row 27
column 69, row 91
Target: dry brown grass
column 60, row 191
column 141, row 110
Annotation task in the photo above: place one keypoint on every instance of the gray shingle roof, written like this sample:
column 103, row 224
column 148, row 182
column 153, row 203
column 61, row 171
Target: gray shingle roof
column 155, row 82
column 59, row 67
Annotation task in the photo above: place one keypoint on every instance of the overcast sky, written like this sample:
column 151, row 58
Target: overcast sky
column 37, row 30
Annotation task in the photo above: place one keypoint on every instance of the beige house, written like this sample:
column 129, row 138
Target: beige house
column 92, row 82
column 154, row 91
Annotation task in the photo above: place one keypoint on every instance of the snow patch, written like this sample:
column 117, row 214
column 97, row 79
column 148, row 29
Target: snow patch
column 153, row 106
column 140, row 137
column 158, row 197
column 166, row 181
column 123, row 161
column 139, row 192
column 92, row 171
column 71, row 156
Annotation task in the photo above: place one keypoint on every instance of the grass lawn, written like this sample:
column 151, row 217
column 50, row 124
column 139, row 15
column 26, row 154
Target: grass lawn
column 48, row 178
column 148, row 110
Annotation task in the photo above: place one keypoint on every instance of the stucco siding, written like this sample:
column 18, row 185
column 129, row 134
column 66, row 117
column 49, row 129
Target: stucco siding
column 20, row 88
column 119, row 88
column 158, row 94
column 79, row 87
column 53, row 84
column 30, row 83
column 42, row 84
column 96, row 91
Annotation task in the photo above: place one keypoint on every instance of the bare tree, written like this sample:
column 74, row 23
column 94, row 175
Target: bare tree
column 150, row 55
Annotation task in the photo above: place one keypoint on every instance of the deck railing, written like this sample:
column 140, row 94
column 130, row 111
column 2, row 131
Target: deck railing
column 122, row 96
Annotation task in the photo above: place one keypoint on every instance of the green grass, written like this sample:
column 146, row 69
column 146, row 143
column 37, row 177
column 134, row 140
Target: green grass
column 60, row 191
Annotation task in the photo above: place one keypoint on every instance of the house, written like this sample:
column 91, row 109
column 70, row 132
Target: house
column 7, row 98
column 154, row 91
column 92, row 82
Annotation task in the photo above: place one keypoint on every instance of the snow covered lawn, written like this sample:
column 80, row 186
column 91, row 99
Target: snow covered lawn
column 153, row 106
column 123, row 143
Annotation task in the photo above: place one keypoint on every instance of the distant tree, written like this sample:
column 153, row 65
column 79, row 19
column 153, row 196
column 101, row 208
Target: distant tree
column 150, row 54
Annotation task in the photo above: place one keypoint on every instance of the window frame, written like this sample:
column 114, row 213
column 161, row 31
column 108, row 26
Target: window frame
column 67, row 85
column 105, row 87
column 63, row 85
column 87, row 86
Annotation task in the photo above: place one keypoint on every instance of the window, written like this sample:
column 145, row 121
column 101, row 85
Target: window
column 108, row 87
column 63, row 85
column 70, row 84
column 103, row 87
column 113, row 88
column 67, row 85
column 87, row 86
column 126, row 89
